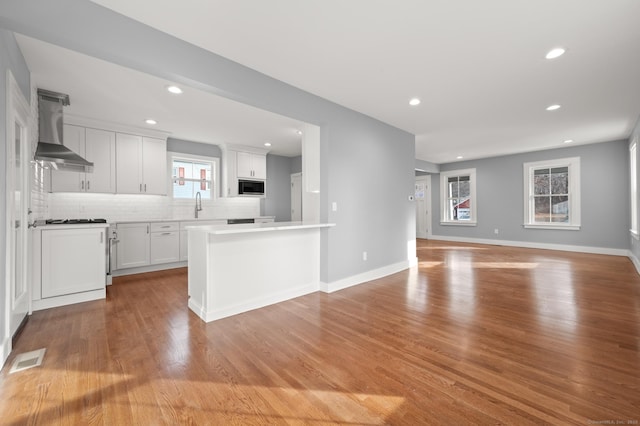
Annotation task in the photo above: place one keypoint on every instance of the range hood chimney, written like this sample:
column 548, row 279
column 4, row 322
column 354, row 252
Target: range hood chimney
column 50, row 142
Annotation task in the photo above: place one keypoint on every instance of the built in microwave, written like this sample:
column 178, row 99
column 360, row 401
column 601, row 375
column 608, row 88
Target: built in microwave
column 250, row 187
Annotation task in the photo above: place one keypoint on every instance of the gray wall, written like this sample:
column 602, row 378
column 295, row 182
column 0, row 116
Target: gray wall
column 10, row 59
column 604, row 187
column 296, row 164
column 634, row 244
column 366, row 166
column 278, row 189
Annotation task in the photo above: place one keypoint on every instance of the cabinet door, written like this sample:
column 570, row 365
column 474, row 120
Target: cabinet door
column 73, row 261
column 66, row 181
column 244, row 168
column 165, row 247
column 128, row 164
column 232, row 174
column 154, row 166
column 100, row 148
column 259, row 164
column 132, row 247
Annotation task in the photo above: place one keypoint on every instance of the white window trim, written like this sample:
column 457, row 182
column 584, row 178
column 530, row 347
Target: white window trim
column 444, row 176
column 573, row 163
column 633, row 186
column 215, row 174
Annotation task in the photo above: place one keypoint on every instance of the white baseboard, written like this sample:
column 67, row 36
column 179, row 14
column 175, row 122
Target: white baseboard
column 149, row 268
column 634, row 260
column 545, row 246
column 5, row 350
column 367, row 276
column 250, row 305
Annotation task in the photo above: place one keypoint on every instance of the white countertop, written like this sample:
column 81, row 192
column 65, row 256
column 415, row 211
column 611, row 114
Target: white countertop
column 72, row 226
column 192, row 219
column 257, row 227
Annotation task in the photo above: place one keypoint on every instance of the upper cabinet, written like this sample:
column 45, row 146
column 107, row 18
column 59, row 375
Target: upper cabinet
column 141, row 165
column 97, row 146
column 251, row 166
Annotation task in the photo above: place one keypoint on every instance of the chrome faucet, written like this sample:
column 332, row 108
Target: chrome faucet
column 198, row 203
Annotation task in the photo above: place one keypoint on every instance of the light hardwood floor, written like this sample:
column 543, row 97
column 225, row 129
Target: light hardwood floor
column 476, row 334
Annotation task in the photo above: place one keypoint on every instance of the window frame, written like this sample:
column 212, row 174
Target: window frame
column 444, row 211
column 215, row 174
column 633, row 187
column 573, row 166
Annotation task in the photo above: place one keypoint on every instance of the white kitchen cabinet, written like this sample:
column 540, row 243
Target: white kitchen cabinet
column 132, row 245
column 97, row 146
column 141, row 165
column 251, row 166
column 73, row 261
column 165, row 242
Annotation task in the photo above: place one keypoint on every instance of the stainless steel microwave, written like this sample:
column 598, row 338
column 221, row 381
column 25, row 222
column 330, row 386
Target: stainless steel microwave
column 250, row 187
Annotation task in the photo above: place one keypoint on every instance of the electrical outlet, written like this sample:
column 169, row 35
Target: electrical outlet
column 496, row 231
column 334, row 206
column 364, row 255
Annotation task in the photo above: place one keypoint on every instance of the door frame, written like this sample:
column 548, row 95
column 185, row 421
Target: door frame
column 17, row 109
column 427, row 195
column 296, row 175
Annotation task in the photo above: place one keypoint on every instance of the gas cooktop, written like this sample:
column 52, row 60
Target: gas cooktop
column 73, row 221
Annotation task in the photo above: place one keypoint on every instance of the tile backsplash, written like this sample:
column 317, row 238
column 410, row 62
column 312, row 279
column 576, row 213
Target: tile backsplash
column 125, row 207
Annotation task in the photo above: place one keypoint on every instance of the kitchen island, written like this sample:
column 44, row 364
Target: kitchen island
column 237, row 268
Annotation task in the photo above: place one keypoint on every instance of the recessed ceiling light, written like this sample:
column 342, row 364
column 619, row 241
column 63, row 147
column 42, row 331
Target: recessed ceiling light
column 299, row 132
column 150, row 121
column 267, row 144
column 459, row 157
column 414, row 101
column 568, row 141
column 554, row 53
column 553, row 107
column 174, row 89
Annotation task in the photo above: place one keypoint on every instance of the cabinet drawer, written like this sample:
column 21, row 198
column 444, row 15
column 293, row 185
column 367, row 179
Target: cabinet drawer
column 165, row 226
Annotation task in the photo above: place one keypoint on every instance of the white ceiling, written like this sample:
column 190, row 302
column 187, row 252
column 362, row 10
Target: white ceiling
column 478, row 66
column 111, row 93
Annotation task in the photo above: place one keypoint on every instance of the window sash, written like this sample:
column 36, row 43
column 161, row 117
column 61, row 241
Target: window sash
column 458, row 197
column 556, row 202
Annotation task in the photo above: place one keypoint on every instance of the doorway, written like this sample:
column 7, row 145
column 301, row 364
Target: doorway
column 296, row 197
column 17, row 202
column 423, row 206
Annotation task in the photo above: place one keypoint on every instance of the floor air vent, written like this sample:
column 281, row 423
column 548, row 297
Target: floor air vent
column 27, row 360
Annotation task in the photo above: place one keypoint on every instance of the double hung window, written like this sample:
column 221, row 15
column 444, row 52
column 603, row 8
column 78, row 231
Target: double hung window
column 552, row 194
column 458, row 197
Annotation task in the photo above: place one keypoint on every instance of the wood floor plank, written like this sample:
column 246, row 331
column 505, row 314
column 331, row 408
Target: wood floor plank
column 475, row 334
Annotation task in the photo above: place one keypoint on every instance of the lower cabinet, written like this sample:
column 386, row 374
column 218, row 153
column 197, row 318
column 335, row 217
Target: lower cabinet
column 165, row 242
column 73, row 261
column 132, row 245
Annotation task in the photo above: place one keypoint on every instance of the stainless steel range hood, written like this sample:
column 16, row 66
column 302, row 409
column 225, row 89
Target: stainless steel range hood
column 50, row 142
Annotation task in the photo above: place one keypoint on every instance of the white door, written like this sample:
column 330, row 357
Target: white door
column 18, row 149
column 296, row 197
column 423, row 206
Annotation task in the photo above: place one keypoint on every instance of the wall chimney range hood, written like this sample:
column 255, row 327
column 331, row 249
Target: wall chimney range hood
column 50, row 148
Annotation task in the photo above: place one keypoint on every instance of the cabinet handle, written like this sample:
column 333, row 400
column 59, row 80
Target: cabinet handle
column 88, row 183
column 147, row 229
column 166, row 226
column 166, row 233
column 145, row 187
column 82, row 185
column 101, row 237
column 140, row 187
